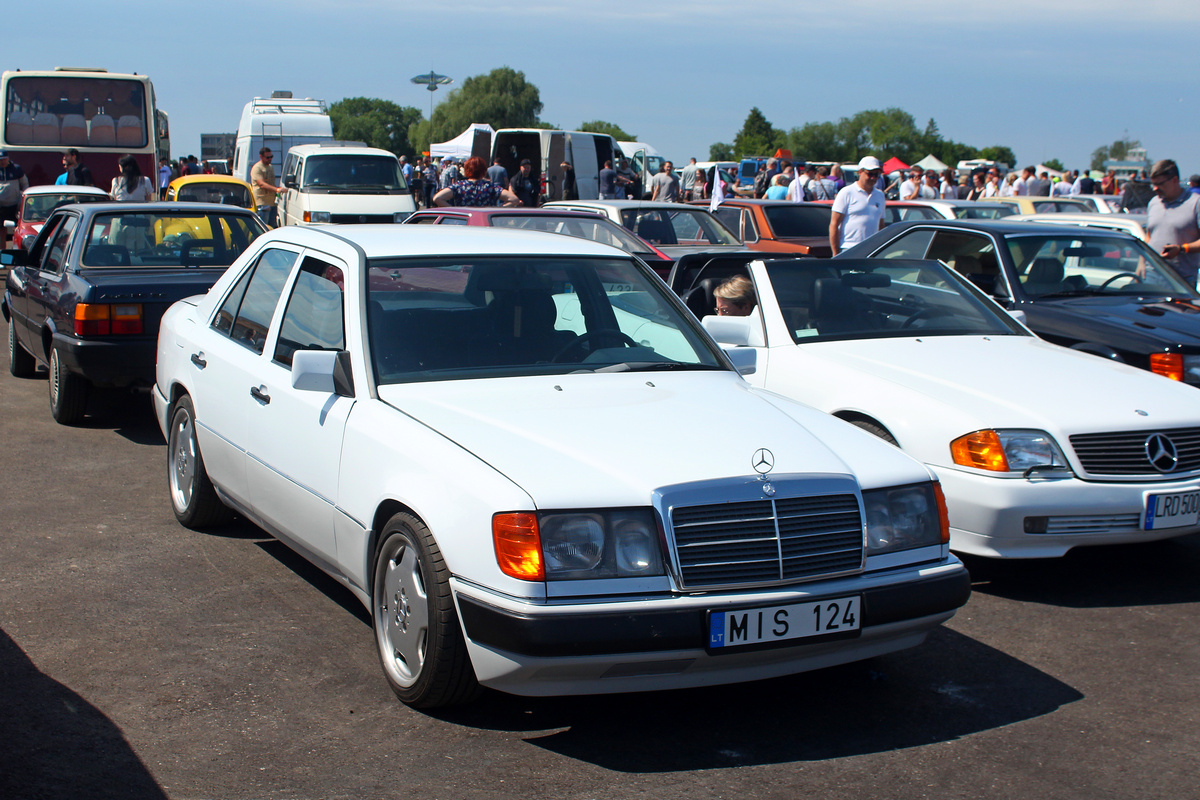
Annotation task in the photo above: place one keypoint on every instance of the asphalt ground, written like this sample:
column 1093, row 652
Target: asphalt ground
column 139, row 659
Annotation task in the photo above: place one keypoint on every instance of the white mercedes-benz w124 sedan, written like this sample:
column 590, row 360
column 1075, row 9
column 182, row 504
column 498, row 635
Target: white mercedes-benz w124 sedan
column 536, row 469
column 1039, row 448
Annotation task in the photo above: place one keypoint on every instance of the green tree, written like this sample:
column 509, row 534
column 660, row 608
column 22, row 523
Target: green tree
column 502, row 99
column 615, row 131
column 757, row 137
column 998, row 153
column 1117, row 151
column 379, row 123
column 1053, row 163
column 720, row 151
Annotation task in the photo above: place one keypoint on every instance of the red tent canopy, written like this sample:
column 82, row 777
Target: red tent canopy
column 893, row 164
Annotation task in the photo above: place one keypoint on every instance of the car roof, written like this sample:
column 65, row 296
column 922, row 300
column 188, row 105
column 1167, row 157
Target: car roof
column 498, row 211
column 209, row 178
column 752, row 201
column 1000, row 227
column 332, row 148
column 65, row 189
column 382, row 241
column 621, row 204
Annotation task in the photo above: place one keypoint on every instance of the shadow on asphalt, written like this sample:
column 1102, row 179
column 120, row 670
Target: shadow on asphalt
column 320, row 581
column 951, row 686
column 1153, row 573
column 54, row 745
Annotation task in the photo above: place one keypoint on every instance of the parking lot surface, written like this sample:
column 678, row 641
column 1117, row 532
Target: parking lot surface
column 139, row 659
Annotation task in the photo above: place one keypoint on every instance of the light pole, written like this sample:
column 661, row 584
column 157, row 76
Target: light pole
column 431, row 82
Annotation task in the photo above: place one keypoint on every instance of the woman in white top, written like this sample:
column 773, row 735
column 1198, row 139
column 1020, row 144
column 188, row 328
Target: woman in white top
column 131, row 186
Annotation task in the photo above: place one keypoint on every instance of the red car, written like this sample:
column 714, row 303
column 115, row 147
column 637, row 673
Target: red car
column 778, row 226
column 579, row 224
column 39, row 201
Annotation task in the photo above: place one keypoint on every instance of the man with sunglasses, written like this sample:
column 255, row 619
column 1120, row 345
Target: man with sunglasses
column 262, row 180
column 858, row 208
column 1173, row 220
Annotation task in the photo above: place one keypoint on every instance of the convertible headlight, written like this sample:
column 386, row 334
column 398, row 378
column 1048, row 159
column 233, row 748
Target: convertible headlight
column 1008, row 451
column 904, row 517
column 578, row 545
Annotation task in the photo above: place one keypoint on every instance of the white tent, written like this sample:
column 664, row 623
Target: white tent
column 931, row 162
column 460, row 146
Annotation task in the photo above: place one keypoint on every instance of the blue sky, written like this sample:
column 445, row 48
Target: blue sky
column 1048, row 78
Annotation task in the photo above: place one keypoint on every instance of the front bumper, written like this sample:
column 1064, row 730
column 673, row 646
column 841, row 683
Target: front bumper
column 987, row 513
column 117, row 361
column 660, row 643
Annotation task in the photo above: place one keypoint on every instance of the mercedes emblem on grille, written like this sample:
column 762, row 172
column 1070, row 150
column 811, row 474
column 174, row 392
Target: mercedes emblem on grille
column 1161, row 452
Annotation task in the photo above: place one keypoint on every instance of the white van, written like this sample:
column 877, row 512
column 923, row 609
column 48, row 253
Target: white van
column 343, row 182
column 280, row 123
column 585, row 152
column 645, row 160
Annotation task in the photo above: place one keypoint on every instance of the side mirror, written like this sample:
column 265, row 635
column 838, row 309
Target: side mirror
column 745, row 359
column 325, row 371
column 9, row 225
column 290, row 182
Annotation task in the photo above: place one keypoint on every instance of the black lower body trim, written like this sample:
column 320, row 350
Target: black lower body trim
column 652, row 631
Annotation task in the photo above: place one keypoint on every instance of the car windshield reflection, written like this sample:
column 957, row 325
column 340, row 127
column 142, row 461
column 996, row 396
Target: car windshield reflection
column 1064, row 265
column 821, row 301
column 469, row 317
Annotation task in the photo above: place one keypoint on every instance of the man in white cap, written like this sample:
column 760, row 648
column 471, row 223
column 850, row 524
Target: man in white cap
column 858, row 208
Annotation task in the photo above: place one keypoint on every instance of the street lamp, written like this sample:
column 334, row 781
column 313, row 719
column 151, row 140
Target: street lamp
column 431, row 82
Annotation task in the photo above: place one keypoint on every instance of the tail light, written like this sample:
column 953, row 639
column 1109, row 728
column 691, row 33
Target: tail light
column 104, row 319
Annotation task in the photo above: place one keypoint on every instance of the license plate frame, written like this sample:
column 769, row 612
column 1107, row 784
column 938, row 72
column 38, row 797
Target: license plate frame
column 1178, row 509
column 739, row 629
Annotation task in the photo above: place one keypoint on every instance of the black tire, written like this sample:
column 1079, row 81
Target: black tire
column 20, row 363
column 420, row 643
column 193, row 498
column 876, row 429
column 68, row 392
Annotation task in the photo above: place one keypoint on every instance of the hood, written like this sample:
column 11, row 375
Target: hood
column 966, row 383
column 1158, row 320
column 611, row 439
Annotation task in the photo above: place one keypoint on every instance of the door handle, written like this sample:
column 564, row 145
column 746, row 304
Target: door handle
column 198, row 360
column 259, row 393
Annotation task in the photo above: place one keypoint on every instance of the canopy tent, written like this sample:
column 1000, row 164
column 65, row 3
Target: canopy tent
column 462, row 146
column 893, row 164
column 931, row 162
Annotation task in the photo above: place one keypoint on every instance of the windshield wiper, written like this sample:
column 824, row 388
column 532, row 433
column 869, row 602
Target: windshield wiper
column 654, row 366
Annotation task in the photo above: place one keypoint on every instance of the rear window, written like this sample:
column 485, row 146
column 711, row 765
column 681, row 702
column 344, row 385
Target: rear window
column 144, row 239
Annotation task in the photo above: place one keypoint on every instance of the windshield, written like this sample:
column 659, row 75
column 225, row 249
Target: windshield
column 230, row 194
column 169, row 240
column 353, row 172
column 683, row 226
column 793, row 221
column 476, row 317
column 597, row 230
column 1060, row 206
column 38, row 206
column 1087, row 264
column 75, row 110
column 984, row 211
column 821, row 301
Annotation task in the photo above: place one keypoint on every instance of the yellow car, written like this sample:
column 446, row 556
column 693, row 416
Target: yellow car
column 1044, row 205
column 223, row 189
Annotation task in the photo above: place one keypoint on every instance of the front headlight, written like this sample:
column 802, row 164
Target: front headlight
column 1008, row 451
column 1191, row 369
column 317, row 217
column 400, row 216
column 904, row 517
column 578, row 545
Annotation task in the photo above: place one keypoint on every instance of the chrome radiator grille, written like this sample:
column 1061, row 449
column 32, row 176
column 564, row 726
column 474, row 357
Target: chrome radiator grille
column 1126, row 453
column 767, row 541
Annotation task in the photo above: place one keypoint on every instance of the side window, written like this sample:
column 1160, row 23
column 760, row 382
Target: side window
column 56, row 252
column 257, row 301
column 223, row 322
column 912, row 245
column 313, row 319
column 38, row 250
column 452, row 221
column 424, row 221
column 750, row 232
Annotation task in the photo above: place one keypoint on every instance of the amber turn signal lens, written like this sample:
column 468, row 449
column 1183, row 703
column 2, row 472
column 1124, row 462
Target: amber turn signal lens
column 943, row 512
column 1169, row 365
column 981, row 450
column 518, row 545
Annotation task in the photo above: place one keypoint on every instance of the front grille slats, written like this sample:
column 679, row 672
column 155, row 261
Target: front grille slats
column 767, row 541
column 1124, row 453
